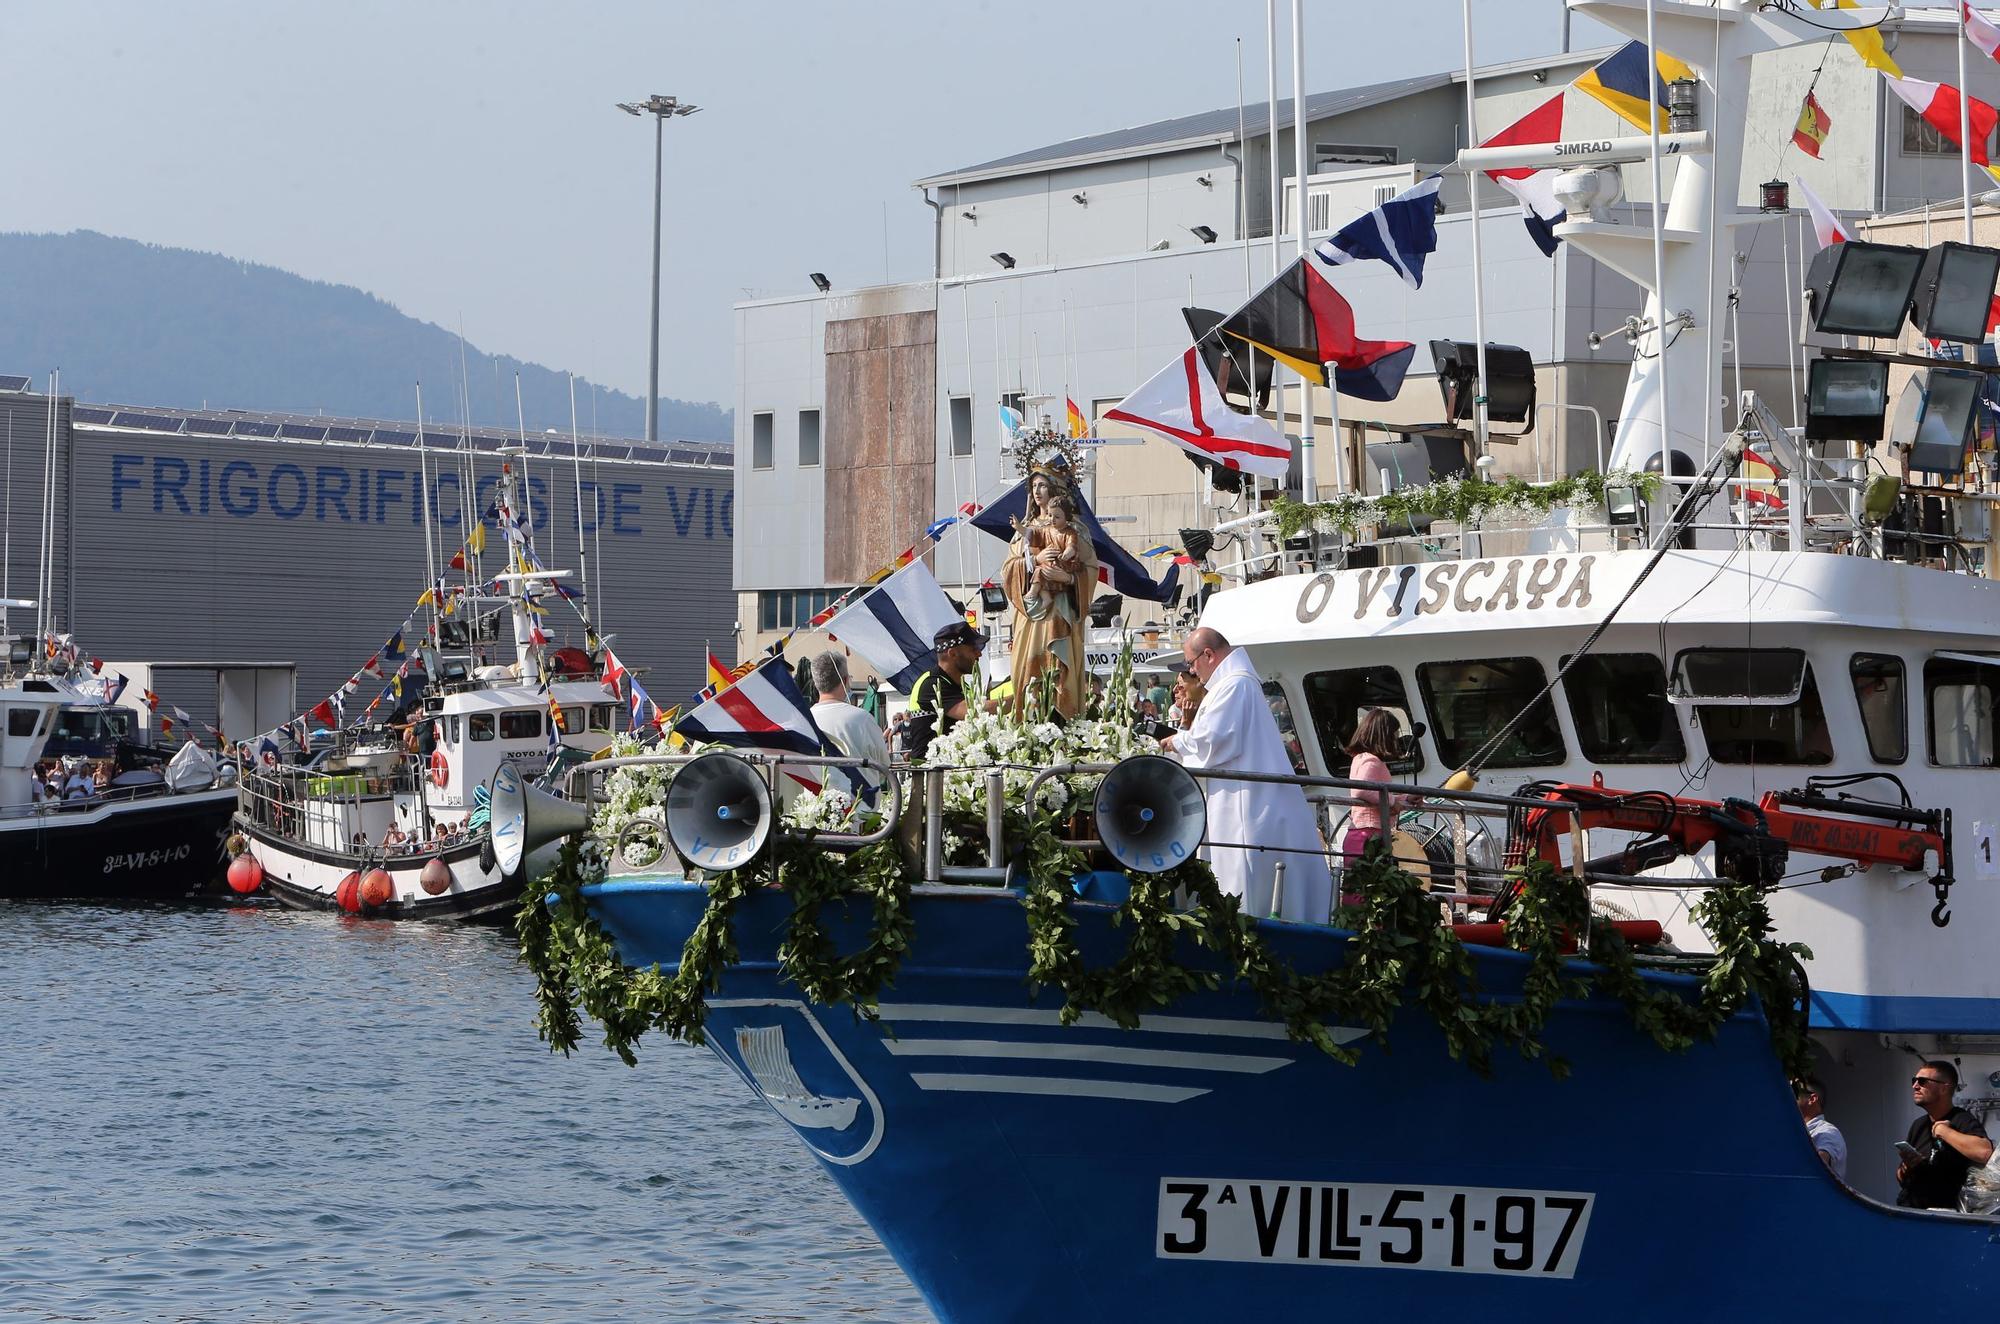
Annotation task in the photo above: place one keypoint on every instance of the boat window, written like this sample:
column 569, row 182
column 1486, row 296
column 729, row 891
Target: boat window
column 521, row 724
column 22, row 721
column 1746, row 675
column 480, row 726
column 1288, row 730
column 1336, row 700
column 601, row 717
column 1959, row 699
column 1469, row 702
column 454, row 730
column 1619, row 704
column 574, row 715
column 1878, row 691
column 1760, row 730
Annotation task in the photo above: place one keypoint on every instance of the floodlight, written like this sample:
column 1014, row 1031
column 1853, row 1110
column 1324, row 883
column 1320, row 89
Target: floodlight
column 1954, row 298
column 820, row 282
column 1006, row 260
column 1846, row 399
column 1621, row 503
column 1105, row 610
column 1197, row 543
column 1202, row 232
column 1859, row 289
column 1944, row 434
column 992, row 599
column 1510, row 380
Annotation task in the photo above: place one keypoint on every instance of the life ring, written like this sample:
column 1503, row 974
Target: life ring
column 440, row 768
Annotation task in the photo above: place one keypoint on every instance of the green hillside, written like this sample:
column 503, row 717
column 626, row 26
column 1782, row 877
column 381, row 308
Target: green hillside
column 135, row 323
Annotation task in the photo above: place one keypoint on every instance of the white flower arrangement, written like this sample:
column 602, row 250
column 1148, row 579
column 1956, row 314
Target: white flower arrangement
column 989, row 740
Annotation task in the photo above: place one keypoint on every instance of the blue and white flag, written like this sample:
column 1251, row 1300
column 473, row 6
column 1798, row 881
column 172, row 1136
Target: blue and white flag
column 766, row 710
column 1011, row 423
column 1400, row 232
column 892, row 624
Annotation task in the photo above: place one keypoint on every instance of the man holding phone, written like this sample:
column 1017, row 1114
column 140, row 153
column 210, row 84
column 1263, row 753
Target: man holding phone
column 1944, row 1144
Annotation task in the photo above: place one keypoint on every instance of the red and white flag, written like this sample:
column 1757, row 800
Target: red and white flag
column 1180, row 402
column 1979, row 30
column 614, row 672
column 1829, row 230
column 1937, row 103
column 764, row 710
column 1534, row 189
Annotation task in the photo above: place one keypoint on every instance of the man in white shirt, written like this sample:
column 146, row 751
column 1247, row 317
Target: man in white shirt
column 1825, row 1136
column 1261, row 823
column 852, row 731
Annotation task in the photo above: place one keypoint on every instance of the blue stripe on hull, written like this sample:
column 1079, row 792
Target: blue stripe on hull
column 1854, row 1011
column 1014, row 1166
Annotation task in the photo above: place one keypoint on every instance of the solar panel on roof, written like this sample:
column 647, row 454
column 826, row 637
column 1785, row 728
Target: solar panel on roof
column 85, row 414
column 301, row 432
column 209, row 427
column 246, row 427
column 440, row 439
column 149, row 422
column 9, row 382
column 346, row 434
column 393, row 437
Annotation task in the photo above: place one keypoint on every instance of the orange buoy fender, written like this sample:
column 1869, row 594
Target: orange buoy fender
column 377, row 889
column 436, row 877
column 348, row 895
column 246, row 875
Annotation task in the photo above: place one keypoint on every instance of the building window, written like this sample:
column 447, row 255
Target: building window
column 961, row 426
column 1959, row 698
column 1018, row 402
column 1619, row 704
column 1878, row 691
column 760, row 441
column 1920, row 139
column 1336, row 700
column 1469, row 702
column 808, row 438
column 790, row 609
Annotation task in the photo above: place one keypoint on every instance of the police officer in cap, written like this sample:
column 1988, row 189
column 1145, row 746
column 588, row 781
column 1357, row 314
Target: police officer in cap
column 937, row 700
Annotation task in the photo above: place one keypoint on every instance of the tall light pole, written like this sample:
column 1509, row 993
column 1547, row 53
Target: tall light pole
column 661, row 109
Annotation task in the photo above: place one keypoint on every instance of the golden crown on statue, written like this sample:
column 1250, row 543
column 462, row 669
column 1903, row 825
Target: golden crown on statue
column 1045, row 451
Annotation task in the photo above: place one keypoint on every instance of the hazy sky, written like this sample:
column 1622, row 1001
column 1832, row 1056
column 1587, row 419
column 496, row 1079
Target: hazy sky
column 464, row 161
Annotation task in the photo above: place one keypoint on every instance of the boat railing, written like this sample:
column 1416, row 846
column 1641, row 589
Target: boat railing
column 97, row 799
column 277, row 799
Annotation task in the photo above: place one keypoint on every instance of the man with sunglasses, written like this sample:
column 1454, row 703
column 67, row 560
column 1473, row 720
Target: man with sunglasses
column 1949, row 1140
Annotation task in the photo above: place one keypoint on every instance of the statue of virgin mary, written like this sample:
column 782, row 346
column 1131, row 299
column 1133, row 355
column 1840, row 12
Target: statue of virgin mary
column 1050, row 578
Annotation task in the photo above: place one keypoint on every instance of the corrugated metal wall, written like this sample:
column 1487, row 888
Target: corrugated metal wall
column 191, row 548
column 24, row 424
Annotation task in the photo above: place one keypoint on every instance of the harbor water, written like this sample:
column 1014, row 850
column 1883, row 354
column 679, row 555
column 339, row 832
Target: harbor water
column 239, row 1114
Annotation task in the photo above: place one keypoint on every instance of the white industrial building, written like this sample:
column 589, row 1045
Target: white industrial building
column 862, row 415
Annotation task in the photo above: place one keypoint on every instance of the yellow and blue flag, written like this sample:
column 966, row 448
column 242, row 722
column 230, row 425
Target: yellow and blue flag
column 1620, row 82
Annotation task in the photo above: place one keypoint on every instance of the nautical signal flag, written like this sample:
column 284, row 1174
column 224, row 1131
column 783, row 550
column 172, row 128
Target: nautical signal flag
column 1400, row 232
column 1825, row 226
column 1938, row 105
column 1867, row 42
column 1979, row 30
column 1180, row 402
column 1533, row 188
column 894, row 623
column 152, row 700
column 1809, row 134
column 1078, row 426
column 614, row 672
column 1621, row 81
column 765, row 710
column 1300, row 320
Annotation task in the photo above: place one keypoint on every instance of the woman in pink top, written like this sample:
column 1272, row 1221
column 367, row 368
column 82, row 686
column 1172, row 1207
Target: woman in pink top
column 1377, row 739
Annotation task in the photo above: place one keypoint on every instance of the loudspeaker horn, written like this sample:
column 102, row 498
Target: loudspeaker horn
column 718, row 812
column 1150, row 813
column 525, row 817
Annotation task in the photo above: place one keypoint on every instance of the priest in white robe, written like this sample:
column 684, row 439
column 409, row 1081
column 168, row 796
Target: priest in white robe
column 1234, row 729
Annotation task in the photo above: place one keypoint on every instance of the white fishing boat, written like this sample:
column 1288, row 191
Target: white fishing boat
column 371, row 826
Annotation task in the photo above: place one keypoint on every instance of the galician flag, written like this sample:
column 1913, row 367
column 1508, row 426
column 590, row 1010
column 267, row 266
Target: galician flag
column 1180, row 402
column 1937, row 103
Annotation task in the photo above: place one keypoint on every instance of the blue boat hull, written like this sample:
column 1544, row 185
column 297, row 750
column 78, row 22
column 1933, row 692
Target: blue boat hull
column 1205, row 1166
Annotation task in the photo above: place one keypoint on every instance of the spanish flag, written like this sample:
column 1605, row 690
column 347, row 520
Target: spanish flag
column 1810, row 132
column 1867, row 42
column 1760, row 477
column 718, row 674
column 1620, row 82
column 1077, row 426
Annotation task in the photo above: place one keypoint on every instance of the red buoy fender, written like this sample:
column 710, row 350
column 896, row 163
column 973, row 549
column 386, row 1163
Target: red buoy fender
column 440, row 768
column 246, row 875
column 377, row 889
column 348, row 895
column 436, row 878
